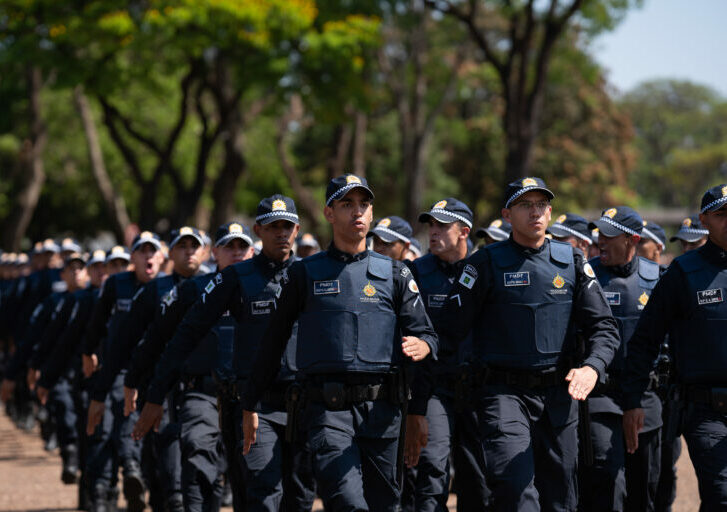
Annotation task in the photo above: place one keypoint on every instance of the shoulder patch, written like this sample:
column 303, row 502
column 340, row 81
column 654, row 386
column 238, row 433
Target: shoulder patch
column 405, row 271
column 466, row 279
column 413, row 286
column 588, row 270
column 210, row 286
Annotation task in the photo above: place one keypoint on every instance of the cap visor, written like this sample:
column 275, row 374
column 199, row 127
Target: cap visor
column 385, row 237
column 228, row 238
column 606, row 229
column 176, row 240
column 687, row 237
column 719, row 204
column 290, row 217
column 152, row 241
column 440, row 217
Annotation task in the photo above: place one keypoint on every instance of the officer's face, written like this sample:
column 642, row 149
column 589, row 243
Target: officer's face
column 187, row 256
column 278, row 238
column 395, row 250
column 75, row 275
column 716, row 223
column 234, row 251
column 529, row 216
column 116, row 265
column 616, row 250
column 97, row 274
column 350, row 216
column 690, row 246
column 147, row 260
column 445, row 238
column 577, row 243
column 649, row 249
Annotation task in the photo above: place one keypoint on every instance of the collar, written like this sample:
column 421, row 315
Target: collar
column 528, row 251
column 449, row 269
column 270, row 265
column 627, row 269
column 714, row 253
column 345, row 257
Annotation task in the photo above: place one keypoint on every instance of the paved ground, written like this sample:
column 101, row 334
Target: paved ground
column 30, row 477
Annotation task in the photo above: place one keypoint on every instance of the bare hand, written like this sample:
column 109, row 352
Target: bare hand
column 42, row 394
column 32, row 377
column 582, row 381
column 417, row 433
column 7, row 388
column 633, row 422
column 96, row 410
column 130, row 395
column 151, row 417
column 249, row 430
column 90, row 364
column 415, row 348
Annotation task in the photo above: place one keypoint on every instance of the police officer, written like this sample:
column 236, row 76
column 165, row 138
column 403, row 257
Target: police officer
column 652, row 243
column 523, row 300
column 691, row 234
column 572, row 229
column 440, row 420
column 497, row 231
column 110, row 442
column 392, row 237
column 689, row 304
column 415, row 250
column 352, row 306
column 306, row 245
column 627, row 281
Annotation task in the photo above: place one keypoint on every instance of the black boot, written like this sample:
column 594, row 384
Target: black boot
column 99, row 498
column 133, row 486
column 84, row 495
column 227, row 494
column 69, row 455
column 175, row 503
column 113, row 499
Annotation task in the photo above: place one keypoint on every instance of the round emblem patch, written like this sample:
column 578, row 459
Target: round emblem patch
column 440, row 204
column 643, row 299
column 529, row 182
column 687, row 222
column 496, row 223
column 558, row 281
column 384, row 223
column 560, row 220
column 413, row 286
column 588, row 270
column 235, row 228
column 279, row 205
column 369, row 290
column 352, row 179
column 610, row 213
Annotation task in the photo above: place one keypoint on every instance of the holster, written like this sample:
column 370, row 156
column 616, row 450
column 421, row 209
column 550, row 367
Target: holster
column 672, row 414
column 584, row 432
column 294, row 402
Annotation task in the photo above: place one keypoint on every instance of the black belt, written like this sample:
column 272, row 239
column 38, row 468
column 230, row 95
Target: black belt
column 200, row 384
column 337, row 395
column 274, row 396
column 716, row 398
column 524, row 379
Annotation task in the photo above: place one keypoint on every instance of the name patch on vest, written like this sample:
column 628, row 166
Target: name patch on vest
column 613, row 298
column 262, row 307
column 326, row 287
column 436, row 301
column 517, row 278
column 709, row 296
column 123, row 305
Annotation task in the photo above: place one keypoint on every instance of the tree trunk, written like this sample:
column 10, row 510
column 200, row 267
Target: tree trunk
column 32, row 158
column 114, row 203
column 359, row 144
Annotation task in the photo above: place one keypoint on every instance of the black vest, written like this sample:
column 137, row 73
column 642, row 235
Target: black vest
column 126, row 286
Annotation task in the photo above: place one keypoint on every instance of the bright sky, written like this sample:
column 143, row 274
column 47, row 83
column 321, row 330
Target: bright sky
column 683, row 39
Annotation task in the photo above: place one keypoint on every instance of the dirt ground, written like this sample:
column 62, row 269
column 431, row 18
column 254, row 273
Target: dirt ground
column 30, row 477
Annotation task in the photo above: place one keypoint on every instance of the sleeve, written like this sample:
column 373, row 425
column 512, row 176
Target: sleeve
column 217, row 298
column 466, row 298
column 413, row 318
column 38, row 320
column 52, row 331
column 96, row 329
column 665, row 304
column 272, row 345
column 594, row 318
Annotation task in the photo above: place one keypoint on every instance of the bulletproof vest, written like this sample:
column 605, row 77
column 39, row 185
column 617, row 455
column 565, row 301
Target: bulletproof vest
column 526, row 322
column 349, row 320
column 203, row 359
column 259, row 300
column 434, row 287
column 627, row 297
column 698, row 339
column 126, row 286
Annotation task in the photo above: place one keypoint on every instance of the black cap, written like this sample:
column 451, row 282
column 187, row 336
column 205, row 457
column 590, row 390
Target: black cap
column 231, row 231
column 47, row 245
column 617, row 221
column 307, row 240
column 393, row 228
column 118, row 252
column 690, row 230
column 570, row 224
column 22, row 259
column 70, row 245
column 97, row 256
column 520, row 187
column 654, row 232
column 498, row 230
column 447, row 211
column 178, row 234
column 415, row 247
column 146, row 237
column 342, row 185
column 74, row 256
column 276, row 207
column 714, row 198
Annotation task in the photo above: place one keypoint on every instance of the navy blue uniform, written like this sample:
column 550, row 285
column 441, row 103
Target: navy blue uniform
column 351, row 312
column 523, row 307
column 689, row 304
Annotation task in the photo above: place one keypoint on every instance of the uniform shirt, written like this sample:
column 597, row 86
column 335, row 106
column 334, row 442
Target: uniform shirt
column 51, row 333
column 591, row 313
column 412, row 320
column 667, row 304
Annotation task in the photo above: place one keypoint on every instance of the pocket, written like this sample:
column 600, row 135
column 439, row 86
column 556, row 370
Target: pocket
column 326, row 337
column 551, row 326
column 377, row 336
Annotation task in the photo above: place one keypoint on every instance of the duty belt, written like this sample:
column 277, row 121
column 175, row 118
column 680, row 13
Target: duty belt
column 274, row 396
column 523, row 378
column 716, row 398
column 200, row 384
column 337, row 395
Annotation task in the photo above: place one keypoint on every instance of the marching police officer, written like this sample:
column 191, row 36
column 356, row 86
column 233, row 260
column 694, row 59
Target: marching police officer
column 652, row 243
column 617, row 480
column 688, row 303
column 691, row 234
column 352, row 307
column 523, row 299
column 392, row 237
column 497, row 231
column 572, row 229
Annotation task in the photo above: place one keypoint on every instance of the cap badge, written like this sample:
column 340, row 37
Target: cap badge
column 369, row 290
column 529, row 182
column 560, row 220
column 440, row 204
column 643, row 299
column 235, row 228
column 307, row 236
column 67, row 241
column 558, row 281
column 384, row 223
column 687, row 222
column 98, row 255
column 117, row 250
column 186, row 230
column 279, row 205
column 496, row 223
column 724, row 191
column 352, row 179
column 146, row 234
column 610, row 213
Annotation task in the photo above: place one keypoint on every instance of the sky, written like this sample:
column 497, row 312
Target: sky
column 682, row 39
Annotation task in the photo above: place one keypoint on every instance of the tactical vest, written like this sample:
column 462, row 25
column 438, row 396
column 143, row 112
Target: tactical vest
column 699, row 339
column 349, row 320
column 526, row 322
column 434, row 287
column 203, row 359
column 627, row 297
column 126, row 286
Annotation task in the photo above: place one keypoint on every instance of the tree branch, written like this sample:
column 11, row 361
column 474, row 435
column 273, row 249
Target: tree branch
column 127, row 153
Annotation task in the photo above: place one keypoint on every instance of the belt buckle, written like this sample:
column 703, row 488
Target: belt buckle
column 718, row 399
column 334, row 395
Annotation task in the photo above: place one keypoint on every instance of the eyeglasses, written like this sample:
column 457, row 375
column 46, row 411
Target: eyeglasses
column 540, row 206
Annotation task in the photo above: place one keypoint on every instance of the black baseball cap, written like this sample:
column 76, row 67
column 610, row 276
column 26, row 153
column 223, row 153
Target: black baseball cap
column 118, row 252
column 498, row 230
column 617, row 221
column 690, row 230
column 70, row 245
column 47, row 245
column 342, row 185
column 178, row 234
column 654, row 232
column 570, row 224
column 392, row 229
column 146, row 237
column 276, row 207
column 447, row 211
column 97, row 256
column 520, row 187
column 74, row 256
column 230, row 231
column 714, row 198
column 415, row 247
column 307, row 240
